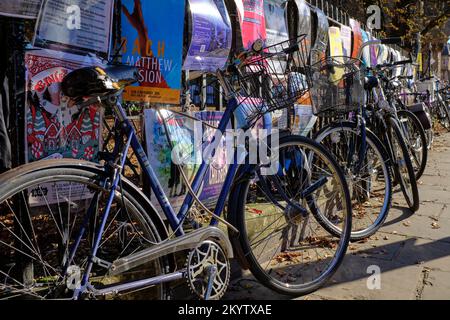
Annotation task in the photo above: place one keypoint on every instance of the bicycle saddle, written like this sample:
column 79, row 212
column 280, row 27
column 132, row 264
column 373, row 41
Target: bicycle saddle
column 92, row 81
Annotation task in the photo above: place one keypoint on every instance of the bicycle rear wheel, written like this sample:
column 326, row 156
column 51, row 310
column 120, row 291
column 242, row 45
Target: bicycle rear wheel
column 416, row 141
column 43, row 208
column 280, row 217
column 403, row 167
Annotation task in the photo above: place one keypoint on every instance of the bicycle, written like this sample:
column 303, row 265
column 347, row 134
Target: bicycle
column 368, row 162
column 70, row 229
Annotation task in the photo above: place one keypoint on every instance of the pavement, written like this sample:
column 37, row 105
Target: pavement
column 411, row 252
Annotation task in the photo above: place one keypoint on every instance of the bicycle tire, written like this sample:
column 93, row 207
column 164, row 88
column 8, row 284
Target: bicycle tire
column 380, row 152
column 137, row 207
column 413, row 199
column 242, row 243
column 420, row 164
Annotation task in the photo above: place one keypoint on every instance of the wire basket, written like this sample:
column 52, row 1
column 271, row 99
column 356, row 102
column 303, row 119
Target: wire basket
column 272, row 80
column 337, row 86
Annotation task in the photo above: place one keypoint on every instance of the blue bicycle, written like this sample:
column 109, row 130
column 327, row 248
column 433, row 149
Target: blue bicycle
column 71, row 229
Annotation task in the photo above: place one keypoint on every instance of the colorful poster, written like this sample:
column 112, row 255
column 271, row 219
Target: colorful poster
column 254, row 25
column 276, row 25
column 321, row 41
column 211, row 36
column 373, row 51
column 304, row 22
column 153, row 41
column 159, row 152
column 24, row 9
column 346, row 35
column 366, row 51
column 55, row 125
column 181, row 132
column 60, row 28
column 336, row 51
column 215, row 177
column 357, row 37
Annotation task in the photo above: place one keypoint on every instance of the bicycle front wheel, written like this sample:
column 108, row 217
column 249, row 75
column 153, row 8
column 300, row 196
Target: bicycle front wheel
column 49, row 217
column 369, row 178
column 280, row 218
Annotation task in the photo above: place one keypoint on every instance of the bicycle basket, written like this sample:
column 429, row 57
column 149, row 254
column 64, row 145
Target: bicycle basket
column 272, row 80
column 337, row 86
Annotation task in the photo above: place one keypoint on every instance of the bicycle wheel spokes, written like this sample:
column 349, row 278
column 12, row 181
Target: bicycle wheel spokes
column 291, row 245
column 39, row 228
column 368, row 178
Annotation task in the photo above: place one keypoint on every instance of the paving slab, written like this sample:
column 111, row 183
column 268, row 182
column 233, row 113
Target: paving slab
column 412, row 251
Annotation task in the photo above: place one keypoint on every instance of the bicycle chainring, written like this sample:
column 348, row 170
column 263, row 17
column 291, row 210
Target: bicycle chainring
column 201, row 261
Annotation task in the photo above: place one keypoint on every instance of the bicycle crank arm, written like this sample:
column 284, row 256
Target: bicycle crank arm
column 186, row 242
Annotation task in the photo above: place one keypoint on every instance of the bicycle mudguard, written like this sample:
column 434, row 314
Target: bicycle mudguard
column 45, row 166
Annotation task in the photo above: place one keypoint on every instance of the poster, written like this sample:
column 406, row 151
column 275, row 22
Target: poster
column 304, row 119
column 373, row 51
column 54, row 124
column 55, row 127
column 215, row 176
column 254, row 25
column 336, row 51
column 152, row 32
column 276, row 25
column 211, row 36
column 304, row 22
column 181, row 131
column 321, row 41
column 25, row 9
column 357, row 37
column 346, row 35
column 366, row 51
column 57, row 27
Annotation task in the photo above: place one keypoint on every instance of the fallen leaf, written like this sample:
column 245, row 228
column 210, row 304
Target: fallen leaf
column 435, row 225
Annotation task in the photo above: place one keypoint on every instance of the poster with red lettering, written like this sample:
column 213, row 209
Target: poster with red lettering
column 254, row 24
column 55, row 126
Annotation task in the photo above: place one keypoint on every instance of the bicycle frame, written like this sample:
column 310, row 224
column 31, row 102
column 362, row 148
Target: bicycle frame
column 175, row 220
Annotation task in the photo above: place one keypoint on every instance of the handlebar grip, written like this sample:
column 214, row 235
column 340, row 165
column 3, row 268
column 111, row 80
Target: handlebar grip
column 394, row 40
column 399, row 63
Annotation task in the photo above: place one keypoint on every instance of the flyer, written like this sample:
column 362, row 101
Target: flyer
column 24, row 9
column 211, row 36
column 215, row 176
column 55, row 127
column 152, row 34
column 336, row 51
column 276, row 25
column 357, row 37
column 304, row 22
column 60, row 28
column 254, row 25
column 366, row 51
column 321, row 41
column 346, row 35
column 181, row 132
